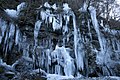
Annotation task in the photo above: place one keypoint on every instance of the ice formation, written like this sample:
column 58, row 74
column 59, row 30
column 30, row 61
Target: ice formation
column 63, row 55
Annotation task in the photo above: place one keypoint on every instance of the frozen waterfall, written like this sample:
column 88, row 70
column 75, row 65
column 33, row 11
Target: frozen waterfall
column 61, row 45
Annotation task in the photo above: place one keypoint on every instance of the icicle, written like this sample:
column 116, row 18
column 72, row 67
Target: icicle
column 50, row 19
column 43, row 15
column 58, row 77
column 37, row 28
column 75, row 35
column 17, row 37
column 12, row 30
column 11, row 35
column 48, row 59
column 96, row 26
column 77, row 46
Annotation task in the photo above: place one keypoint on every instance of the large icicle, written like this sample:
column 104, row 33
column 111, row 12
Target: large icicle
column 77, row 49
column 100, row 56
column 47, row 5
column 96, row 26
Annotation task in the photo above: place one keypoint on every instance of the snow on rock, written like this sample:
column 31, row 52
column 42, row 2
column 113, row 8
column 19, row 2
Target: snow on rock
column 36, row 71
column 54, row 6
column 66, row 8
column 12, row 13
column 47, row 5
column 58, row 77
column 8, row 67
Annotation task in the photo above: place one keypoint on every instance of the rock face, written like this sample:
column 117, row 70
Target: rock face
column 58, row 42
